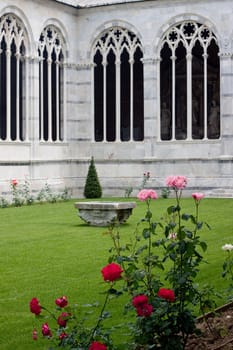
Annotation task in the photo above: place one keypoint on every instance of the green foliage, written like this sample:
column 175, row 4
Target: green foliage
column 92, row 187
column 47, row 251
column 22, row 194
column 174, row 247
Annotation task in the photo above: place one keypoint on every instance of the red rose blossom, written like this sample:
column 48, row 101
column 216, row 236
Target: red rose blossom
column 97, row 346
column 61, row 302
column 139, row 300
column 167, row 294
column 46, row 330
column 144, row 310
column 35, row 306
column 62, row 319
column 34, row 334
column 14, row 182
column 111, row 272
column 63, row 335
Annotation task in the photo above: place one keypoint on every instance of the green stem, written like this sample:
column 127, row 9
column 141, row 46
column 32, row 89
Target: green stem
column 100, row 318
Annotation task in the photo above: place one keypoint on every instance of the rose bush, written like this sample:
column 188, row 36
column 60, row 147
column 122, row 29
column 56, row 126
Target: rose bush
column 157, row 269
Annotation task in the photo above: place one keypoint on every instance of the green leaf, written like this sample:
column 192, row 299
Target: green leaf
column 146, row 233
column 203, row 246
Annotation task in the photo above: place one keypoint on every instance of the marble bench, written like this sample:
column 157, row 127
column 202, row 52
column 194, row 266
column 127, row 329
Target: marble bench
column 104, row 213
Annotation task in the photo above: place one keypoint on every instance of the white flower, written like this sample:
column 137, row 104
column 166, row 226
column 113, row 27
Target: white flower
column 173, row 235
column 227, row 247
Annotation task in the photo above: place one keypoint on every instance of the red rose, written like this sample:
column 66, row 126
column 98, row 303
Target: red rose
column 97, row 346
column 46, row 330
column 35, row 306
column 111, row 272
column 14, row 182
column 63, row 335
column 167, row 294
column 62, row 319
column 34, row 334
column 61, row 302
column 139, row 300
column 144, row 310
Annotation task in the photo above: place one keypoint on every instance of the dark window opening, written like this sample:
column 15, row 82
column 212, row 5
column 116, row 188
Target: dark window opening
column 98, row 97
column 111, row 97
column 125, row 96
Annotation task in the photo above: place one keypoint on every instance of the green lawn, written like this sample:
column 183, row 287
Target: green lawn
column 46, row 251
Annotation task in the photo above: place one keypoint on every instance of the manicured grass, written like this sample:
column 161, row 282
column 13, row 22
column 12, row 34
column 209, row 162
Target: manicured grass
column 46, row 251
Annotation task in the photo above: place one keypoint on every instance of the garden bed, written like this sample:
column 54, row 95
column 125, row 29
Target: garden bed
column 217, row 330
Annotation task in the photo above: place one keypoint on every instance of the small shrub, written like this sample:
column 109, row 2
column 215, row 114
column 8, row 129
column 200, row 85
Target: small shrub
column 66, row 194
column 165, row 193
column 128, row 192
column 26, row 191
column 145, row 178
column 92, row 187
column 17, row 197
column 3, row 203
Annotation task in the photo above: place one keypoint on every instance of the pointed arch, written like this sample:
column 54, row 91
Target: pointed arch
column 189, row 82
column 52, row 52
column 118, row 80
column 14, row 45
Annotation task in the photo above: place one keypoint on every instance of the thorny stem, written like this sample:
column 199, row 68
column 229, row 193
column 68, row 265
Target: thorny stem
column 149, row 277
column 178, row 196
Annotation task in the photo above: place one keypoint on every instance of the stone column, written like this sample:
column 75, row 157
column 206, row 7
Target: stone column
column 150, row 102
column 226, row 98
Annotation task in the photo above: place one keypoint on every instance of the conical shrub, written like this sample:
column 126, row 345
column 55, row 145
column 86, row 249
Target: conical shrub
column 92, row 187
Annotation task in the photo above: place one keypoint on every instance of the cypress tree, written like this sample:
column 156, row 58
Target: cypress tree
column 92, row 187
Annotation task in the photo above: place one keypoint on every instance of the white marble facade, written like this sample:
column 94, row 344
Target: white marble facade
column 208, row 163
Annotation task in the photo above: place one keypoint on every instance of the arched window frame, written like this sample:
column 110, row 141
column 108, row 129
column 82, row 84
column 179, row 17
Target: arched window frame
column 13, row 79
column 115, row 41
column 173, row 36
column 51, row 51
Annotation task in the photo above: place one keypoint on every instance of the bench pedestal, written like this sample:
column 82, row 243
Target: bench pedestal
column 104, row 213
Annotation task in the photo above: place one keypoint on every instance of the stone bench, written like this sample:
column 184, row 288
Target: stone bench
column 104, row 213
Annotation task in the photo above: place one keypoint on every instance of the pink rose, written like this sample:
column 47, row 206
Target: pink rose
column 61, row 302
column 143, row 195
column 178, row 182
column 167, row 294
column 198, row 196
column 139, row 300
column 111, row 272
column 144, row 310
column 35, row 307
column 46, row 330
column 95, row 345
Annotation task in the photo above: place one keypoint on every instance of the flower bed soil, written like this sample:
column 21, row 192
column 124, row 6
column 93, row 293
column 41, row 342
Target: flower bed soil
column 216, row 330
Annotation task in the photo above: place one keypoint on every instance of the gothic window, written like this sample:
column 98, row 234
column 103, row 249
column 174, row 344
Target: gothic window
column 51, row 55
column 189, row 83
column 118, row 87
column 13, row 44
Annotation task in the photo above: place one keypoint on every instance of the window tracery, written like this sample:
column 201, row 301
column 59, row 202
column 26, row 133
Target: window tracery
column 118, row 86
column 13, row 79
column 189, row 83
column 51, row 77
